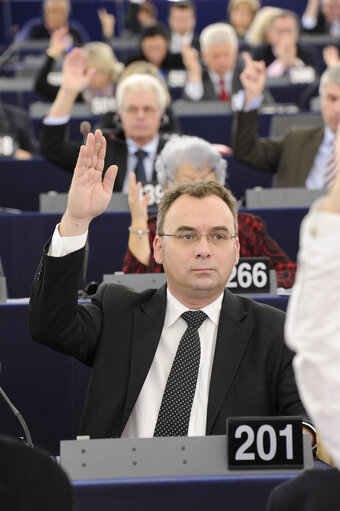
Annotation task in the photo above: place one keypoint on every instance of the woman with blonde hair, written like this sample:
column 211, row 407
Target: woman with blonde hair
column 257, row 33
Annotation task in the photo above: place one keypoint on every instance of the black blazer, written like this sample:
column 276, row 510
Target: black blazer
column 59, row 150
column 118, row 334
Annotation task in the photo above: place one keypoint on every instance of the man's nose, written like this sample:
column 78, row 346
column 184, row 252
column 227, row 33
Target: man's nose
column 203, row 247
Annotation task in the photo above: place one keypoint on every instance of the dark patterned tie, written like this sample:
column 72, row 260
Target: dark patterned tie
column 174, row 414
column 139, row 170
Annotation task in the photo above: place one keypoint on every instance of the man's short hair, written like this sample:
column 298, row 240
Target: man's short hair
column 182, row 5
column 218, row 33
column 153, row 31
column 254, row 5
column 285, row 13
column 141, row 82
column 198, row 189
column 47, row 4
column 331, row 75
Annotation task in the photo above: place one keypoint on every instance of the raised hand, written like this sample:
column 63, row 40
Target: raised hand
column 138, row 206
column 59, row 42
column 75, row 75
column 90, row 192
column 107, row 22
column 191, row 63
column 253, row 77
column 331, row 55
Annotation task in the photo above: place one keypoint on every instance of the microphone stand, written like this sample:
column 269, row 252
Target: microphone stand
column 19, row 417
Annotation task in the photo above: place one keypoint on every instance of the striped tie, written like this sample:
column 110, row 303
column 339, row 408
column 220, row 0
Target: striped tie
column 331, row 169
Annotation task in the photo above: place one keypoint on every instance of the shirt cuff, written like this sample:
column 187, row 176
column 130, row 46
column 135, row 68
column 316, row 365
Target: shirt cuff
column 240, row 98
column 61, row 246
column 308, row 22
column 56, row 121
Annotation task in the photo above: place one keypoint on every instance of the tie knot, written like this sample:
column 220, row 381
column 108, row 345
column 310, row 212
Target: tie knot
column 140, row 154
column 194, row 319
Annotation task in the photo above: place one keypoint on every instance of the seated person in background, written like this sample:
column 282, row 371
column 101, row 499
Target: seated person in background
column 258, row 31
column 56, row 14
column 300, row 157
column 191, row 158
column 141, row 100
column 16, row 133
column 154, row 48
column 100, row 58
column 322, row 17
column 169, row 124
column 312, row 330
column 220, row 78
column 140, row 15
column 242, row 366
column 182, row 22
column 241, row 14
column 283, row 51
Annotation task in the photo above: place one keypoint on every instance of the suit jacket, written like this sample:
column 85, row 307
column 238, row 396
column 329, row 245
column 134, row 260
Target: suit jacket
column 56, row 148
column 209, row 89
column 118, row 333
column 289, row 157
column 14, row 121
column 311, row 491
column 265, row 52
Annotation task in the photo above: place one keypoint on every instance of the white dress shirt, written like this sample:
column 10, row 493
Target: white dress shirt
column 195, row 90
column 177, row 41
column 150, row 149
column 316, row 175
column 313, row 324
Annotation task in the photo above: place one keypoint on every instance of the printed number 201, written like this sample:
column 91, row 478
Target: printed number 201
column 265, row 429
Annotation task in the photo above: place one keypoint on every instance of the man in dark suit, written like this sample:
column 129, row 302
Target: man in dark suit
column 298, row 158
column 141, row 101
column 219, row 79
column 283, row 51
column 130, row 339
column 322, row 17
column 182, row 22
column 16, row 133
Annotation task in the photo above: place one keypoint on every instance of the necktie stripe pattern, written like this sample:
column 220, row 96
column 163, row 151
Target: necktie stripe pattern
column 330, row 171
column 174, row 414
column 139, row 170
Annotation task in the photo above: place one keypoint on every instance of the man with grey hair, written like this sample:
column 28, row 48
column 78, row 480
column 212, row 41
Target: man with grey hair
column 300, row 157
column 56, row 14
column 219, row 80
column 141, row 101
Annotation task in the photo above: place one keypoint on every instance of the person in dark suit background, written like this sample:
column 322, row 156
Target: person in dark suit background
column 141, row 101
column 16, row 133
column 219, row 80
column 182, row 22
column 298, row 158
column 56, row 15
column 30, row 480
column 283, row 50
column 322, row 17
column 245, row 368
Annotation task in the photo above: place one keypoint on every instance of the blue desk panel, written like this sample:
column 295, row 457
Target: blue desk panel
column 22, row 237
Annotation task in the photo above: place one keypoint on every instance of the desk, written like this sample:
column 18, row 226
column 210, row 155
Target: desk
column 22, row 237
column 199, row 493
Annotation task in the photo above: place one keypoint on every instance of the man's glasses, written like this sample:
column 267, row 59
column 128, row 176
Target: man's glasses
column 190, row 238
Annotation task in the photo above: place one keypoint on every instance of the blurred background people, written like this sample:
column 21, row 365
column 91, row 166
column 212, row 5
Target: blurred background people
column 16, row 133
column 258, row 31
column 322, row 17
column 283, row 50
column 141, row 101
column 182, row 22
column 139, row 15
column 241, row 14
column 100, row 58
column 219, row 79
column 186, row 158
column 56, row 15
column 298, row 158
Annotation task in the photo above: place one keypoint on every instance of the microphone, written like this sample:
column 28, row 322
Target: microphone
column 85, row 128
column 18, row 416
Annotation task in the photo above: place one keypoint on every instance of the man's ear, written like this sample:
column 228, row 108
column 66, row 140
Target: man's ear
column 157, row 249
column 237, row 250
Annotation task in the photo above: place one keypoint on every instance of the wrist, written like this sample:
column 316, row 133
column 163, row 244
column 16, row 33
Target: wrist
column 53, row 54
column 72, row 226
column 139, row 232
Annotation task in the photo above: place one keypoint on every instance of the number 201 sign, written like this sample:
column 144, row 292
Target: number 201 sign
column 264, row 442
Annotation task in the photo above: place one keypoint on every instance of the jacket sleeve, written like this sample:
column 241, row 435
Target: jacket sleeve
column 55, row 147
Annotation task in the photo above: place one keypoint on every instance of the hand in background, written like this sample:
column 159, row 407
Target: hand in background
column 107, row 22
column 138, row 205
column 253, row 77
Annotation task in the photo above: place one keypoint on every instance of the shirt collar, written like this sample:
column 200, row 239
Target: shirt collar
column 215, row 78
column 175, row 308
column 329, row 136
column 150, row 147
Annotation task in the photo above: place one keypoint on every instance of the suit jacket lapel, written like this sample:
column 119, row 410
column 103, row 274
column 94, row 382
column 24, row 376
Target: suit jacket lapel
column 231, row 342
column 148, row 320
column 311, row 148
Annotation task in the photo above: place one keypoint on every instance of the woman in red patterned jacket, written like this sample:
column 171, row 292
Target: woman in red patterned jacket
column 185, row 158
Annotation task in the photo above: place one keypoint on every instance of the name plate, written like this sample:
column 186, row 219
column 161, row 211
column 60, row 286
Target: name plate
column 251, row 275
column 264, row 443
column 7, row 146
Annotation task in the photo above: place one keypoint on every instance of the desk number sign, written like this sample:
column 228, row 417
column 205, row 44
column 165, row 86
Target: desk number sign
column 264, row 442
column 251, row 275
